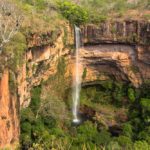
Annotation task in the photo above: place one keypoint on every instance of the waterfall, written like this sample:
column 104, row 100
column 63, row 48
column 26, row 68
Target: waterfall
column 77, row 77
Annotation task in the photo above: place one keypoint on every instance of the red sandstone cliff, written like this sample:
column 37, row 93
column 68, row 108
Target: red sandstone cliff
column 9, row 119
column 111, row 51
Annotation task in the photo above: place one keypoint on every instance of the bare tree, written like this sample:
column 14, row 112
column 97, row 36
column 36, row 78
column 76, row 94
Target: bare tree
column 10, row 21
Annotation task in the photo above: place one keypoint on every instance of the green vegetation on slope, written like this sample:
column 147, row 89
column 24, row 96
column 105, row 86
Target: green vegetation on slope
column 95, row 11
column 52, row 127
column 74, row 13
column 46, row 123
column 44, row 16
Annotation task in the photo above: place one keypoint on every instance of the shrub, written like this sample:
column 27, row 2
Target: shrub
column 61, row 67
column 26, row 141
column 83, row 96
column 118, row 93
column 37, row 129
column 12, row 83
column 102, row 138
column 108, row 85
column 27, row 115
column 144, row 135
column 38, row 4
column 49, row 122
column 35, row 99
column 26, row 128
column 131, row 95
column 120, row 5
column 113, row 145
column 98, row 97
column 16, row 49
column 97, row 18
column 91, row 92
column 58, row 132
column 84, row 73
column 145, row 103
column 125, row 142
column 141, row 145
column 50, row 108
column 127, row 130
column 101, row 97
column 86, row 132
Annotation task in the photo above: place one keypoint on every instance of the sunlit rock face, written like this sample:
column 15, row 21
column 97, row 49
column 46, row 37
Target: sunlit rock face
column 41, row 61
column 112, row 50
column 117, row 50
column 112, row 61
column 127, row 32
column 9, row 119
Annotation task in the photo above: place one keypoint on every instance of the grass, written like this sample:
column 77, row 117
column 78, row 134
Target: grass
column 101, row 10
column 39, row 16
column 43, row 16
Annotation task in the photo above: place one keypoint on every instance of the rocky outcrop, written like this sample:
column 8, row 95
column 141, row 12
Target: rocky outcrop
column 120, row 62
column 127, row 32
column 41, row 61
column 9, row 119
column 113, row 50
column 117, row 50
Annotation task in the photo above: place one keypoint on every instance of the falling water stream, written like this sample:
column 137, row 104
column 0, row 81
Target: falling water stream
column 77, row 78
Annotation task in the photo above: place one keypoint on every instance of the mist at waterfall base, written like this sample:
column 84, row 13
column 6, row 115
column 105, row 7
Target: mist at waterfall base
column 77, row 78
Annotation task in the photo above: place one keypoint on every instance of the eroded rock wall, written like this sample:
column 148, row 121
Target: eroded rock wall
column 9, row 117
column 121, row 31
column 118, row 50
column 120, row 62
column 113, row 50
column 41, row 61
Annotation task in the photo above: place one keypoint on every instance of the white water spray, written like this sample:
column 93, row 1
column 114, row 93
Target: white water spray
column 77, row 78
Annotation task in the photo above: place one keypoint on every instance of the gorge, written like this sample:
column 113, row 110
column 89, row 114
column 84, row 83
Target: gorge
column 36, row 97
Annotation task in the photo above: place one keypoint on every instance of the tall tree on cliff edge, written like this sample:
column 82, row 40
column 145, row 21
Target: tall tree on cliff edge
column 10, row 21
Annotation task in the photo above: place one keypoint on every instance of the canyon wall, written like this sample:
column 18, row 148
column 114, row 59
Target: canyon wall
column 117, row 50
column 122, row 31
column 9, row 116
column 112, row 50
column 41, row 60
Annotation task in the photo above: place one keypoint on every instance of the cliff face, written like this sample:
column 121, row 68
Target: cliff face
column 126, row 31
column 9, row 121
column 113, row 50
column 117, row 50
column 41, row 61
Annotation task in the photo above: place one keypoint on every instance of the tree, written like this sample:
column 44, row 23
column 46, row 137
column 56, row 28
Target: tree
column 10, row 21
column 141, row 145
column 131, row 94
column 125, row 142
column 86, row 133
column 127, row 130
column 73, row 12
